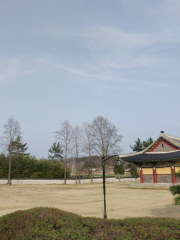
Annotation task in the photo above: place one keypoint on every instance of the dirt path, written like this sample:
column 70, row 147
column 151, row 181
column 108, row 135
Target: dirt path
column 87, row 200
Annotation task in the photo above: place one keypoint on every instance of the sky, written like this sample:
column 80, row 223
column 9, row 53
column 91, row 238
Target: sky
column 80, row 59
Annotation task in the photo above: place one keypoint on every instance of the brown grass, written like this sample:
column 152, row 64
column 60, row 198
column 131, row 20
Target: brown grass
column 87, row 200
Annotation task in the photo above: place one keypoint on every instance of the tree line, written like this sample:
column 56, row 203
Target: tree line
column 93, row 140
column 100, row 137
column 30, row 167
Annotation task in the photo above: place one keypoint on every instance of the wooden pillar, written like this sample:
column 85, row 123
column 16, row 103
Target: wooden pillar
column 141, row 175
column 154, row 175
column 173, row 176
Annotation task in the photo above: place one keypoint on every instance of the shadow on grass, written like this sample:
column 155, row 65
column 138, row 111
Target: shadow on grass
column 169, row 210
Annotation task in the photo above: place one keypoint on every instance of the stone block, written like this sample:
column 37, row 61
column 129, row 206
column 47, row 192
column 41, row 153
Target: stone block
column 164, row 178
column 148, row 178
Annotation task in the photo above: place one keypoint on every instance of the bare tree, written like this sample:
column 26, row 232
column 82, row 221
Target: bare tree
column 77, row 140
column 64, row 136
column 79, row 168
column 106, row 137
column 88, row 143
column 12, row 130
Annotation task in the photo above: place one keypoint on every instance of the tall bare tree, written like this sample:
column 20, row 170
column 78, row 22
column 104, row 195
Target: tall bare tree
column 12, row 131
column 88, row 144
column 64, row 136
column 77, row 141
column 106, row 137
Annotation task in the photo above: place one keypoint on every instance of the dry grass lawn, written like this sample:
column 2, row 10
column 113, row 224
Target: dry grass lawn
column 87, row 200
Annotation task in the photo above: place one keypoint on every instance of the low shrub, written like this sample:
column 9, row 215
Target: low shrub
column 175, row 190
column 176, row 201
column 51, row 223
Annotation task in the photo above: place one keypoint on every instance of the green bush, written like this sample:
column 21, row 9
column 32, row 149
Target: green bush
column 50, row 223
column 176, row 201
column 30, row 167
column 175, row 189
column 4, row 163
column 133, row 170
column 35, row 175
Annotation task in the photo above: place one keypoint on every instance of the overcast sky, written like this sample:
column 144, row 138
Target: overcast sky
column 78, row 59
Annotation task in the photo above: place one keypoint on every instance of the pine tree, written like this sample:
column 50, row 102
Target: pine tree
column 147, row 143
column 56, row 152
column 119, row 170
column 139, row 145
column 133, row 171
column 17, row 147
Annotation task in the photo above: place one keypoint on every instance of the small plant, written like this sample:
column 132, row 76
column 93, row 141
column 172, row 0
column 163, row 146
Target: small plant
column 177, row 201
column 175, row 190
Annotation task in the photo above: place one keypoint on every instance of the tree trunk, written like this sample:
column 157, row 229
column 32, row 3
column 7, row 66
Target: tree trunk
column 79, row 179
column 119, row 177
column 91, row 167
column 76, row 170
column 65, row 168
column 9, row 174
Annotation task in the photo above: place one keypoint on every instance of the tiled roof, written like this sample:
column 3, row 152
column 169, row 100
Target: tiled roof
column 175, row 141
column 152, row 157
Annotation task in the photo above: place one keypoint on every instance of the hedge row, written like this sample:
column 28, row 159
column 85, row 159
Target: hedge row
column 50, row 223
column 30, row 167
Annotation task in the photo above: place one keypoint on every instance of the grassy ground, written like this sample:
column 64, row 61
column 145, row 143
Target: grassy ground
column 51, row 224
column 87, row 200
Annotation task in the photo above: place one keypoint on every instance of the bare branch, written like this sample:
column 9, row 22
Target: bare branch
column 77, row 142
column 64, row 136
column 106, row 137
column 12, row 130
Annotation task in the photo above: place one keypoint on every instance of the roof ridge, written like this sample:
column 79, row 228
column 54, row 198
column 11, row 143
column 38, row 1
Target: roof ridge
column 148, row 147
column 170, row 136
column 162, row 152
column 172, row 141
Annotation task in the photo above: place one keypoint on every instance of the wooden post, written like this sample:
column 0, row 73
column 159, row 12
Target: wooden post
column 154, row 175
column 141, row 175
column 173, row 176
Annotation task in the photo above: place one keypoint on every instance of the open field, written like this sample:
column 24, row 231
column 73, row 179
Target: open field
column 87, row 200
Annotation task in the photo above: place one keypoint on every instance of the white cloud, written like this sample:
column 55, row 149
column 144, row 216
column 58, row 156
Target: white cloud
column 13, row 69
column 9, row 69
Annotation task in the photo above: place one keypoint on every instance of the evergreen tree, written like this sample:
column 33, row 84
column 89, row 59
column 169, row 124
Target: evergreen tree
column 147, row 143
column 16, row 150
column 17, row 147
column 141, row 145
column 56, row 152
column 133, row 170
column 119, row 170
column 30, row 167
column 3, row 166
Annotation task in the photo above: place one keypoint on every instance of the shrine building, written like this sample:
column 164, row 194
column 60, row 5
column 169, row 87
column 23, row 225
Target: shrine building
column 159, row 161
